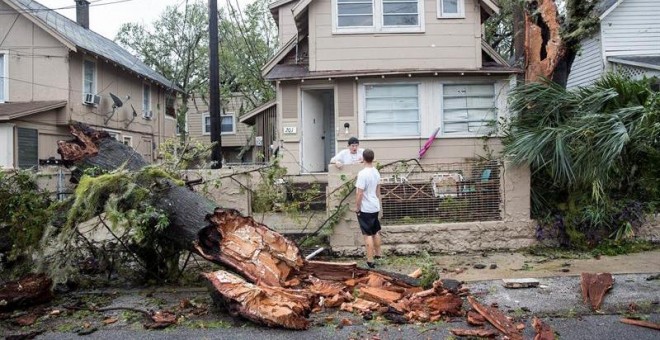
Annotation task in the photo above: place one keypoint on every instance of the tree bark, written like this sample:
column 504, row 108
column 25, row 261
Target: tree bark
column 281, row 292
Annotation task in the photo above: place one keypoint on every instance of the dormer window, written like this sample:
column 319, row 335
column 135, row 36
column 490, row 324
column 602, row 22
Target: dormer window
column 373, row 16
column 451, row 9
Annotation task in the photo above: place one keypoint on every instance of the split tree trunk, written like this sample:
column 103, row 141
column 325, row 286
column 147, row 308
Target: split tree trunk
column 284, row 286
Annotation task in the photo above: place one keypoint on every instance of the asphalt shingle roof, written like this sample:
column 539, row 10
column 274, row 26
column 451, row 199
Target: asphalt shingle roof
column 91, row 41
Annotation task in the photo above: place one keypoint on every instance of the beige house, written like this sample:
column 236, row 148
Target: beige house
column 55, row 70
column 393, row 73
column 237, row 138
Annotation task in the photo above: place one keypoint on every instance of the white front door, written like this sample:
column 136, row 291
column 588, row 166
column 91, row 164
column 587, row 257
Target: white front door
column 313, row 144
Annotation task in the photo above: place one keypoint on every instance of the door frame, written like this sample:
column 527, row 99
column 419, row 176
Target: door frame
column 301, row 90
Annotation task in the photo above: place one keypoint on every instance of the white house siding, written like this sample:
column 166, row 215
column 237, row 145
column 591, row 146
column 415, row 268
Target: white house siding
column 287, row 27
column 445, row 43
column 588, row 64
column 632, row 28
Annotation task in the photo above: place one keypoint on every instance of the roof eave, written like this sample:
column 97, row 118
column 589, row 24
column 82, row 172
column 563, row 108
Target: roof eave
column 279, row 56
column 33, row 111
column 247, row 117
column 385, row 73
column 634, row 63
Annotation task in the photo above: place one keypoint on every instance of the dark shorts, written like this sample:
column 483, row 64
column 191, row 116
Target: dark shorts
column 369, row 223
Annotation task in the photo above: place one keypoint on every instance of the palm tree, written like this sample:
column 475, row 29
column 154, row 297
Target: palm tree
column 589, row 145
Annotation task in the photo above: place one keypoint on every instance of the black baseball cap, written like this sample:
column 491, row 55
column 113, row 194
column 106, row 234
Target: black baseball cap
column 353, row 140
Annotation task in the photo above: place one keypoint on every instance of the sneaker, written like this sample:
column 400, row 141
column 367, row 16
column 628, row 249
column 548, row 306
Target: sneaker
column 371, row 265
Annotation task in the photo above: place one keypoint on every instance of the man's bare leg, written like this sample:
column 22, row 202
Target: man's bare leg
column 377, row 242
column 369, row 243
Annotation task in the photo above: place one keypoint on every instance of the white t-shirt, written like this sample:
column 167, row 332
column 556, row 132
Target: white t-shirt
column 346, row 157
column 368, row 180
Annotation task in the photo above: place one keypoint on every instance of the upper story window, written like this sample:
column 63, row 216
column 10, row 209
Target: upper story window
column 451, row 8
column 146, row 100
column 368, row 16
column 4, row 89
column 227, row 124
column 170, row 101
column 89, row 77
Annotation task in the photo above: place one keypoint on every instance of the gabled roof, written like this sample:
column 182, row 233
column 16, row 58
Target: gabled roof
column 279, row 55
column 77, row 37
column 9, row 111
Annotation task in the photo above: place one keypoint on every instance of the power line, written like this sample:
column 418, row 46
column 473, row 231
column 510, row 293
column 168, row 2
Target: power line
column 47, row 9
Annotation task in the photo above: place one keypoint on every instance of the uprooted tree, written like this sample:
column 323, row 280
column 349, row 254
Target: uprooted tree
column 275, row 285
column 281, row 287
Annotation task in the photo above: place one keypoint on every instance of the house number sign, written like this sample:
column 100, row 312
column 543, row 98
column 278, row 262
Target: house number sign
column 289, row 130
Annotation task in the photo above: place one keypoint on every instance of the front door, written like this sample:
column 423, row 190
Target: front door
column 317, row 124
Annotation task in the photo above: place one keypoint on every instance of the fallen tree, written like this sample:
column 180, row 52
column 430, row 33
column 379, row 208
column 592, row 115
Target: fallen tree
column 281, row 286
column 276, row 286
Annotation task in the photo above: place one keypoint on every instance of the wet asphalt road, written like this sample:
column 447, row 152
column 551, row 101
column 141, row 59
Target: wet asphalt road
column 596, row 327
column 557, row 302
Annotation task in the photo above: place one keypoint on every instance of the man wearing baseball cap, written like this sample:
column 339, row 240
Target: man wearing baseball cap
column 350, row 155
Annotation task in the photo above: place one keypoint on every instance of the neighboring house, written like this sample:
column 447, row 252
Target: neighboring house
column 55, row 70
column 237, row 140
column 389, row 72
column 627, row 41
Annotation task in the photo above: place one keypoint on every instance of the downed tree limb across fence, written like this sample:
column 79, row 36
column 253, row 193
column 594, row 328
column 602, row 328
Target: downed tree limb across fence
column 275, row 286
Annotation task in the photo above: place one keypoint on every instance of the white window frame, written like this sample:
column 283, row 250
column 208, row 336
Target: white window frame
column 114, row 134
column 377, row 24
column 496, row 108
column 233, row 123
column 94, row 81
column 362, row 106
column 228, row 114
column 129, row 139
column 430, row 96
column 5, row 76
column 146, row 102
column 459, row 15
column 204, row 116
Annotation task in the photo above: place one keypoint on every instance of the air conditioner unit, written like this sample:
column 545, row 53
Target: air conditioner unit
column 91, row 99
column 147, row 115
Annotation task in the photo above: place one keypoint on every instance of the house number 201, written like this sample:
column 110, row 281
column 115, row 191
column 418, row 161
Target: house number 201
column 288, row 130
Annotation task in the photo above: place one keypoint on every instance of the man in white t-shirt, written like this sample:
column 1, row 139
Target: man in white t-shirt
column 367, row 206
column 351, row 155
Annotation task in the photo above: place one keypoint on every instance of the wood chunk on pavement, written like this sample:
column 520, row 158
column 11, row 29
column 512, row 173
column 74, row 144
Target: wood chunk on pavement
column 641, row 323
column 543, row 331
column 520, row 283
column 594, row 287
column 497, row 319
column 267, row 305
column 475, row 319
column 483, row 333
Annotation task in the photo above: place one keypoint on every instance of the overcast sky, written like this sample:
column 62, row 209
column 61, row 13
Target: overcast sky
column 105, row 16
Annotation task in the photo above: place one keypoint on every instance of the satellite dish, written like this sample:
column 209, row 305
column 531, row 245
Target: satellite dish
column 116, row 101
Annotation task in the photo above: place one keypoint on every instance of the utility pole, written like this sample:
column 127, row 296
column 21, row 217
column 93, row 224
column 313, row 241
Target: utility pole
column 214, row 86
